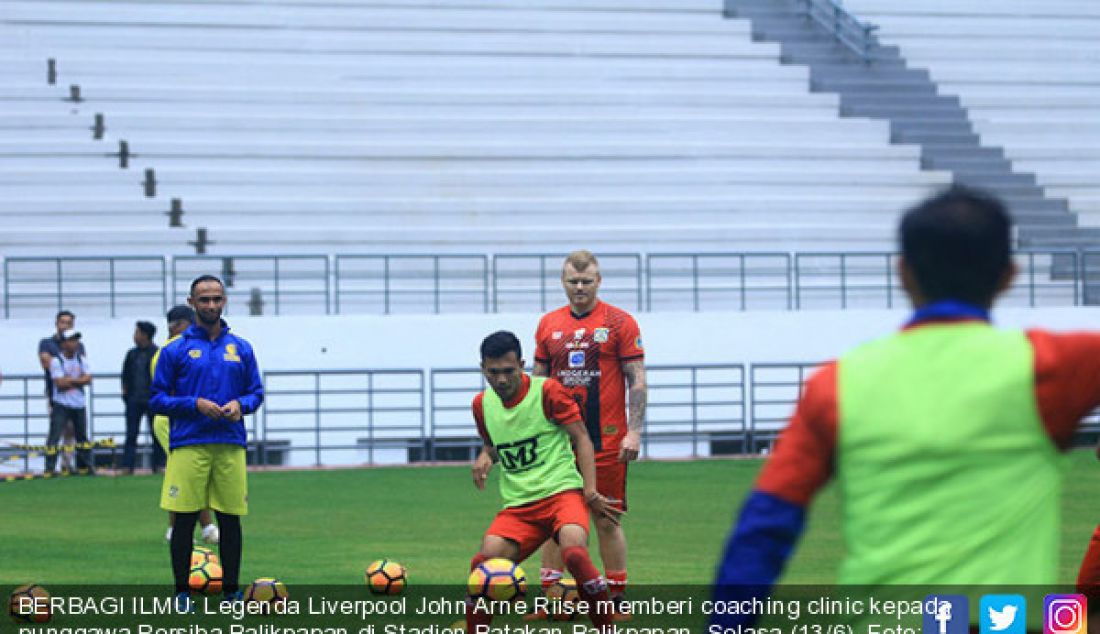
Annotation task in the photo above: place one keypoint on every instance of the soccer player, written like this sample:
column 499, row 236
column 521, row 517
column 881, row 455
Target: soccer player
column 527, row 425
column 180, row 319
column 595, row 350
column 206, row 381
column 945, row 438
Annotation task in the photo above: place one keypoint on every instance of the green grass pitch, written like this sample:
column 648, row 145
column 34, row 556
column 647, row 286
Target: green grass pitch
column 324, row 527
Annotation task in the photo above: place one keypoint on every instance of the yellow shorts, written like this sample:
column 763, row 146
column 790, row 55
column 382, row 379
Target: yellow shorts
column 160, row 432
column 206, row 476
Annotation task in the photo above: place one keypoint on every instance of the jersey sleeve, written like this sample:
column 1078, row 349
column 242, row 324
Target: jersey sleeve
column 803, row 458
column 542, row 353
column 630, row 339
column 559, row 405
column 1067, row 380
column 478, row 410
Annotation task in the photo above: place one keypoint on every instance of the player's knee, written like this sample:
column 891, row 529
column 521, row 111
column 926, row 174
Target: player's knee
column 607, row 528
column 571, row 535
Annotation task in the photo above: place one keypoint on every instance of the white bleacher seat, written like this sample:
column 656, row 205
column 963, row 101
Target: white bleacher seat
column 461, row 126
column 1028, row 72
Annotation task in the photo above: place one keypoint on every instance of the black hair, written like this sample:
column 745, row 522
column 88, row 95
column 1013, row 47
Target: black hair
column 958, row 244
column 148, row 328
column 206, row 278
column 63, row 313
column 181, row 312
column 499, row 344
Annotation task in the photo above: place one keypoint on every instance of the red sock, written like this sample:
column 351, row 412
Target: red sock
column 1088, row 577
column 616, row 583
column 474, row 617
column 549, row 576
column 590, row 585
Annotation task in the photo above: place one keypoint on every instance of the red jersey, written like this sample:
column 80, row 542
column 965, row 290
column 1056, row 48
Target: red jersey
column 586, row 355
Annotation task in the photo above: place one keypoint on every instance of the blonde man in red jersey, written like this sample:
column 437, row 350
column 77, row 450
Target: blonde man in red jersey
column 595, row 350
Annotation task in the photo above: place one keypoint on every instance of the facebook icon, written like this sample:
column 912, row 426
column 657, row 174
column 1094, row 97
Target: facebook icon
column 945, row 614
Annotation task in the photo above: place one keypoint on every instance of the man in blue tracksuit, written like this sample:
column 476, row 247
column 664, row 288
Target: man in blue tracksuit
column 205, row 382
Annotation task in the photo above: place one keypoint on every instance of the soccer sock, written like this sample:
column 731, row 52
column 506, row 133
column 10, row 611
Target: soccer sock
column 616, row 583
column 590, row 585
column 180, row 548
column 549, row 576
column 230, row 550
column 1088, row 577
column 474, row 618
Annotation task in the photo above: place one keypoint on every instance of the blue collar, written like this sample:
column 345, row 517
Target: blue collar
column 947, row 310
column 196, row 331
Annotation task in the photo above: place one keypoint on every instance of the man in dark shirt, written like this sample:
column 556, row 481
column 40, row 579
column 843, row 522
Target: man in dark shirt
column 136, row 382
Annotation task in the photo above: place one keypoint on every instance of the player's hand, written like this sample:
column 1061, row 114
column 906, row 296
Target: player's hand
column 231, row 411
column 480, row 471
column 632, row 444
column 208, row 408
column 602, row 506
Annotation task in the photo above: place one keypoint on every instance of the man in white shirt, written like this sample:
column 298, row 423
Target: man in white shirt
column 69, row 372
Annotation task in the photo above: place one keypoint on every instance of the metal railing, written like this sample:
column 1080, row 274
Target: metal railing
column 278, row 285
column 348, row 417
column 397, row 283
column 523, row 281
column 113, row 286
column 855, row 35
column 342, row 416
column 326, row 417
column 718, row 281
column 774, row 388
column 389, row 284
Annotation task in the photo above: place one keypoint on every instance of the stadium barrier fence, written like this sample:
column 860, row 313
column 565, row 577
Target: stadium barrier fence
column 479, row 283
column 376, row 417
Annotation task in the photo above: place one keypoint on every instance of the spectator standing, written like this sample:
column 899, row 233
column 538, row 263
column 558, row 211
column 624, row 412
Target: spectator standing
column 136, row 383
column 69, row 374
column 49, row 348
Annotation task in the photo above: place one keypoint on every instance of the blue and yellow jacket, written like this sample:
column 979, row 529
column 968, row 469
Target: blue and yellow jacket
column 221, row 371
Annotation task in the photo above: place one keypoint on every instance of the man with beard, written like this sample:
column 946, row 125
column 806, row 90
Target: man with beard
column 206, row 381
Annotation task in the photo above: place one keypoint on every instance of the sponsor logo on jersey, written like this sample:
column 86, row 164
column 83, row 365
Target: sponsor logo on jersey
column 638, row 343
column 610, row 430
column 600, row 335
column 579, row 334
column 195, row 354
column 556, row 335
column 518, row 455
column 576, row 359
column 231, row 353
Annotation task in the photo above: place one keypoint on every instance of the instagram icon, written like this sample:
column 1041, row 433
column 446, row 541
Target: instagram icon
column 1065, row 614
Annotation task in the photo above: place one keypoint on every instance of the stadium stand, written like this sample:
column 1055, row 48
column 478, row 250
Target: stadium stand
column 876, row 78
column 457, row 127
column 1027, row 74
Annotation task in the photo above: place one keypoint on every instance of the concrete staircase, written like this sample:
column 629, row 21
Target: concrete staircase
column 908, row 98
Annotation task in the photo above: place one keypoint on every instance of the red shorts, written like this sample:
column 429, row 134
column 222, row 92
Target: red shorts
column 611, row 478
column 532, row 524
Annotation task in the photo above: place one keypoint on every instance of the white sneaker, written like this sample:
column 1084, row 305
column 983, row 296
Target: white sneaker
column 210, row 534
column 168, row 535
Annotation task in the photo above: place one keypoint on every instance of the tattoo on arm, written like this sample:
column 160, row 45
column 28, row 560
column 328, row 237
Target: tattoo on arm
column 635, row 381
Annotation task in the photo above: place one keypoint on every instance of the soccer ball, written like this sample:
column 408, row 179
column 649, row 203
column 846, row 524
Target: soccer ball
column 29, row 604
column 201, row 555
column 386, row 577
column 564, row 591
column 269, row 592
column 206, row 578
column 497, row 579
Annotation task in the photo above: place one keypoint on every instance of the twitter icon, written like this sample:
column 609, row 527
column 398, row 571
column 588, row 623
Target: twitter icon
column 1003, row 614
